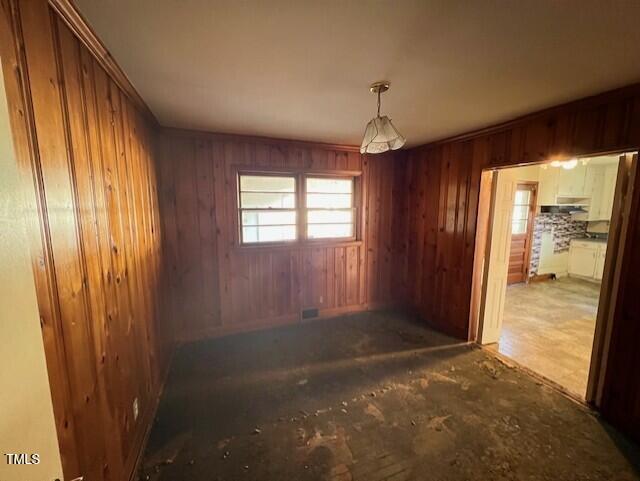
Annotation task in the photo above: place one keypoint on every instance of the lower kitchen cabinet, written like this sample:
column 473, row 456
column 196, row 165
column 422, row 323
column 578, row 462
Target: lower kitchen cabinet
column 586, row 259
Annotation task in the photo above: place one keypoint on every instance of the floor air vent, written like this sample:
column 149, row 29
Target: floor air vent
column 309, row 313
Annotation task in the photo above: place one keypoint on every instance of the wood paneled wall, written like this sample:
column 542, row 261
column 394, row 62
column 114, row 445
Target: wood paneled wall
column 87, row 157
column 220, row 287
column 442, row 208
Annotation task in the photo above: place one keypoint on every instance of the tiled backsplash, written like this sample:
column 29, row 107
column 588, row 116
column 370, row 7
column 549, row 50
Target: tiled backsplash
column 563, row 228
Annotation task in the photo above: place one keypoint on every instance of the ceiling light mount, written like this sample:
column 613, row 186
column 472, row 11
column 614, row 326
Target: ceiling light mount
column 380, row 135
column 379, row 87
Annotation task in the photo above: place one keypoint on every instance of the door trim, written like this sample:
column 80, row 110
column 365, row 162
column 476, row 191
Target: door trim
column 627, row 171
column 610, row 284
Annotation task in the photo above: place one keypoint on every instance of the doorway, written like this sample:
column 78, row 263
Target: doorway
column 549, row 255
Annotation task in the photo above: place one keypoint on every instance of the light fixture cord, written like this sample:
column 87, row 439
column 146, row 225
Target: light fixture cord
column 378, row 103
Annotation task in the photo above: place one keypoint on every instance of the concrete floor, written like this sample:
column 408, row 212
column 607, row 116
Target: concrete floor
column 548, row 327
column 369, row 397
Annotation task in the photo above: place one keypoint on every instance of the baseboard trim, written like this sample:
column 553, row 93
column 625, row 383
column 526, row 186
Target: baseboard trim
column 288, row 320
column 133, row 466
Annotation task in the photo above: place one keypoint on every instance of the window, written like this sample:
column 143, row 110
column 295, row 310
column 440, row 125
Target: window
column 267, row 205
column 283, row 208
column 521, row 208
column 330, row 210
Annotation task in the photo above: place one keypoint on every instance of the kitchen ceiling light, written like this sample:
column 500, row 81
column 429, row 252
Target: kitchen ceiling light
column 380, row 134
column 565, row 164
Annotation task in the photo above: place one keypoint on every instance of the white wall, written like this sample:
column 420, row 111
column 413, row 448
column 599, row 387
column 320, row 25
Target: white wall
column 26, row 413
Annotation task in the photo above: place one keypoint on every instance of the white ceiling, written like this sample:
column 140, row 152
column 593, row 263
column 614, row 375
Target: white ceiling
column 300, row 69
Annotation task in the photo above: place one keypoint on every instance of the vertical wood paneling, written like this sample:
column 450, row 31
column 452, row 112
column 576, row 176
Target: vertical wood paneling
column 442, row 206
column 221, row 287
column 440, row 287
column 89, row 155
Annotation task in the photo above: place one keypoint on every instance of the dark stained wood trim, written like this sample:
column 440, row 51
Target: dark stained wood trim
column 81, row 28
column 220, row 136
column 443, row 196
column 568, row 106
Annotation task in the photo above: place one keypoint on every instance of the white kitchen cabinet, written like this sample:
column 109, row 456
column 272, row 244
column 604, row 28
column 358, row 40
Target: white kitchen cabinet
column 586, row 259
column 602, row 181
column 600, row 258
column 608, row 191
column 547, row 186
column 554, row 182
column 571, row 183
column 582, row 261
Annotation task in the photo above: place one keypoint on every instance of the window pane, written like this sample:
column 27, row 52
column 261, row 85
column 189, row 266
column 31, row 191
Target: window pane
column 249, row 234
column 258, row 200
column 320, row 231
column 268, row 217
column 519, row 227
column 272, row 233
column 329, row 201
column 267, row 183
column 336, row 186
column 330, row 216
column 522, row 196
column 521, row 212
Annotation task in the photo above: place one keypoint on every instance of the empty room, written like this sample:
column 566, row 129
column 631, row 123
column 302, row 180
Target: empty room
column 335, row 240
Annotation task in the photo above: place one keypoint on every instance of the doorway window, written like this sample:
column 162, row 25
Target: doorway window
column 522, row 207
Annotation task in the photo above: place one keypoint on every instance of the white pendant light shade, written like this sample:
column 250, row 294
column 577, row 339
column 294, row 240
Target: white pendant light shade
column 380, row 134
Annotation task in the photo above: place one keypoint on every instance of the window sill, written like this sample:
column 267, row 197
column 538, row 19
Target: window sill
column 306, row 245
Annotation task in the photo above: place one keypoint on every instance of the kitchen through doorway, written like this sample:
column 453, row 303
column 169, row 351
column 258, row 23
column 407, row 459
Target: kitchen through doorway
column 548, row 234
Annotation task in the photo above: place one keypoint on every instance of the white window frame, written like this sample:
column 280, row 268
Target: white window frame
column 301, row 208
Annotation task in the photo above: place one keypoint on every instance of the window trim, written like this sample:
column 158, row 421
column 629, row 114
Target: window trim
column 354, row 207
column 300, row 176
column 241, row 209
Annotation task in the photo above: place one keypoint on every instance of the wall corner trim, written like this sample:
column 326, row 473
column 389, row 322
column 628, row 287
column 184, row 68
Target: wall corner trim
column 82, row 29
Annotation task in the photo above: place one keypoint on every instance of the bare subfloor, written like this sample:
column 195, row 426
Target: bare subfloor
column 369, row 397
column 548, row 327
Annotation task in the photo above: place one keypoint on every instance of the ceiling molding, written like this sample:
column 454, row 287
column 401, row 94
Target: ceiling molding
column 81, row 28
column 585, row 102
column 258, row 139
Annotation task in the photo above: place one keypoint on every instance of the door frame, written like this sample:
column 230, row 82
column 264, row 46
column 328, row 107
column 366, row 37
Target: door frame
column 530, row 223
column 610, row 284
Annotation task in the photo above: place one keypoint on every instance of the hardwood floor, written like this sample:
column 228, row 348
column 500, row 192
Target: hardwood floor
column 548, row 327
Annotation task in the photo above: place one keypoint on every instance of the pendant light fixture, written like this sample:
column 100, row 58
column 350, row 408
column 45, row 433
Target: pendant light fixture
column 380, row 135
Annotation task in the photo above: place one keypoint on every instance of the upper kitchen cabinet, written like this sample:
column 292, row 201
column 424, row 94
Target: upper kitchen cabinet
column 571, row 182
column 591, row 184
column 608, row 191
column 547, row 185
column 602, row 181
column 557, row 182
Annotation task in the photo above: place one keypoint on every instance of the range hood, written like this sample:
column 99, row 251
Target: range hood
column 564, row 209
column 566, row 200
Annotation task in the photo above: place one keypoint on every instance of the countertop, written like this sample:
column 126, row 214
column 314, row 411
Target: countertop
column 591, row 239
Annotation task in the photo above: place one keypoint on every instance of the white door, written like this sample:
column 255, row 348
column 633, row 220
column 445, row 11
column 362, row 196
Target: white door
column 582, row 261
column 495, row 275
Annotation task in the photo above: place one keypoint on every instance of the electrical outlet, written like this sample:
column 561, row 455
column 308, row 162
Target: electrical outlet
column 135, row 409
